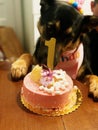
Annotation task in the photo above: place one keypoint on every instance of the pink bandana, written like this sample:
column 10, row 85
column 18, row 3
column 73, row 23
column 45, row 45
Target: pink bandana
column 71, row 61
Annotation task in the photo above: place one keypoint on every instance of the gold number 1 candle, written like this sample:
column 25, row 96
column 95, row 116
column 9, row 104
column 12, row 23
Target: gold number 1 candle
column 51, row 51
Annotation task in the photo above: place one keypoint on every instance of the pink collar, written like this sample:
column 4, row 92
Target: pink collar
column 71, row 61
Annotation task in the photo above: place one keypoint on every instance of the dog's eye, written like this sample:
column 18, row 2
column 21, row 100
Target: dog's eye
column 49, row 26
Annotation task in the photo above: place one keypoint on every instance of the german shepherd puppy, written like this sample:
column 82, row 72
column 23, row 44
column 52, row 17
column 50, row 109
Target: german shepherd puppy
column 70, row 28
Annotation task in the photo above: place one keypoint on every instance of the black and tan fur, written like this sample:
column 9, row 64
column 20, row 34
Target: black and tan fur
column 63, row 22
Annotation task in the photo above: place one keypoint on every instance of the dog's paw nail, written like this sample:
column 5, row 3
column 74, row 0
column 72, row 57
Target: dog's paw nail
column 95, row 99
column 14, row 78
column 90, row 95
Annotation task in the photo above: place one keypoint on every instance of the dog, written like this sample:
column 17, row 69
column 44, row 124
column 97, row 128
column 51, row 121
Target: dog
column 71, row 29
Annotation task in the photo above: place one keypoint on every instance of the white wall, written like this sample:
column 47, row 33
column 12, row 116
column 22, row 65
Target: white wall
column 36, row 15
column 11, row 15
column 86, row 7
column 28, row 25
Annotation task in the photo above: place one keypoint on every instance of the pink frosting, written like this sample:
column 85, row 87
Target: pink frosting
column 36, row 97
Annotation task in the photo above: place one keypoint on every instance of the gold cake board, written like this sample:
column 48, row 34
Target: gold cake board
column 55, row 112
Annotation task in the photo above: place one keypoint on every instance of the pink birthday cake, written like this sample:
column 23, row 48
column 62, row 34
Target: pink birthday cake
column 49, row 92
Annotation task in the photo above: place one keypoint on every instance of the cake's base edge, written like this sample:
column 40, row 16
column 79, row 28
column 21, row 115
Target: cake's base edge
column 72, row 106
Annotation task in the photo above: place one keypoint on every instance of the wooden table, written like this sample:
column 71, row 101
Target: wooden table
column 14, row 117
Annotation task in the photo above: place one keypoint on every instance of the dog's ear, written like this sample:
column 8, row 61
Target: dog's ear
column 89, row 23
column 85, row 25
column 47, row 2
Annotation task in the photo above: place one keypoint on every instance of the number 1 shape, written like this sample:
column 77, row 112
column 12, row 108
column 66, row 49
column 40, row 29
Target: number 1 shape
column 51, row 51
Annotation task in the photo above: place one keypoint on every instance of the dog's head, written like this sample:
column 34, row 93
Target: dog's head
column 56, row 19
column 63, row 22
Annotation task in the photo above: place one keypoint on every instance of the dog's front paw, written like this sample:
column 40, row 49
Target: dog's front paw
column 92, row 82
column 19, row 69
